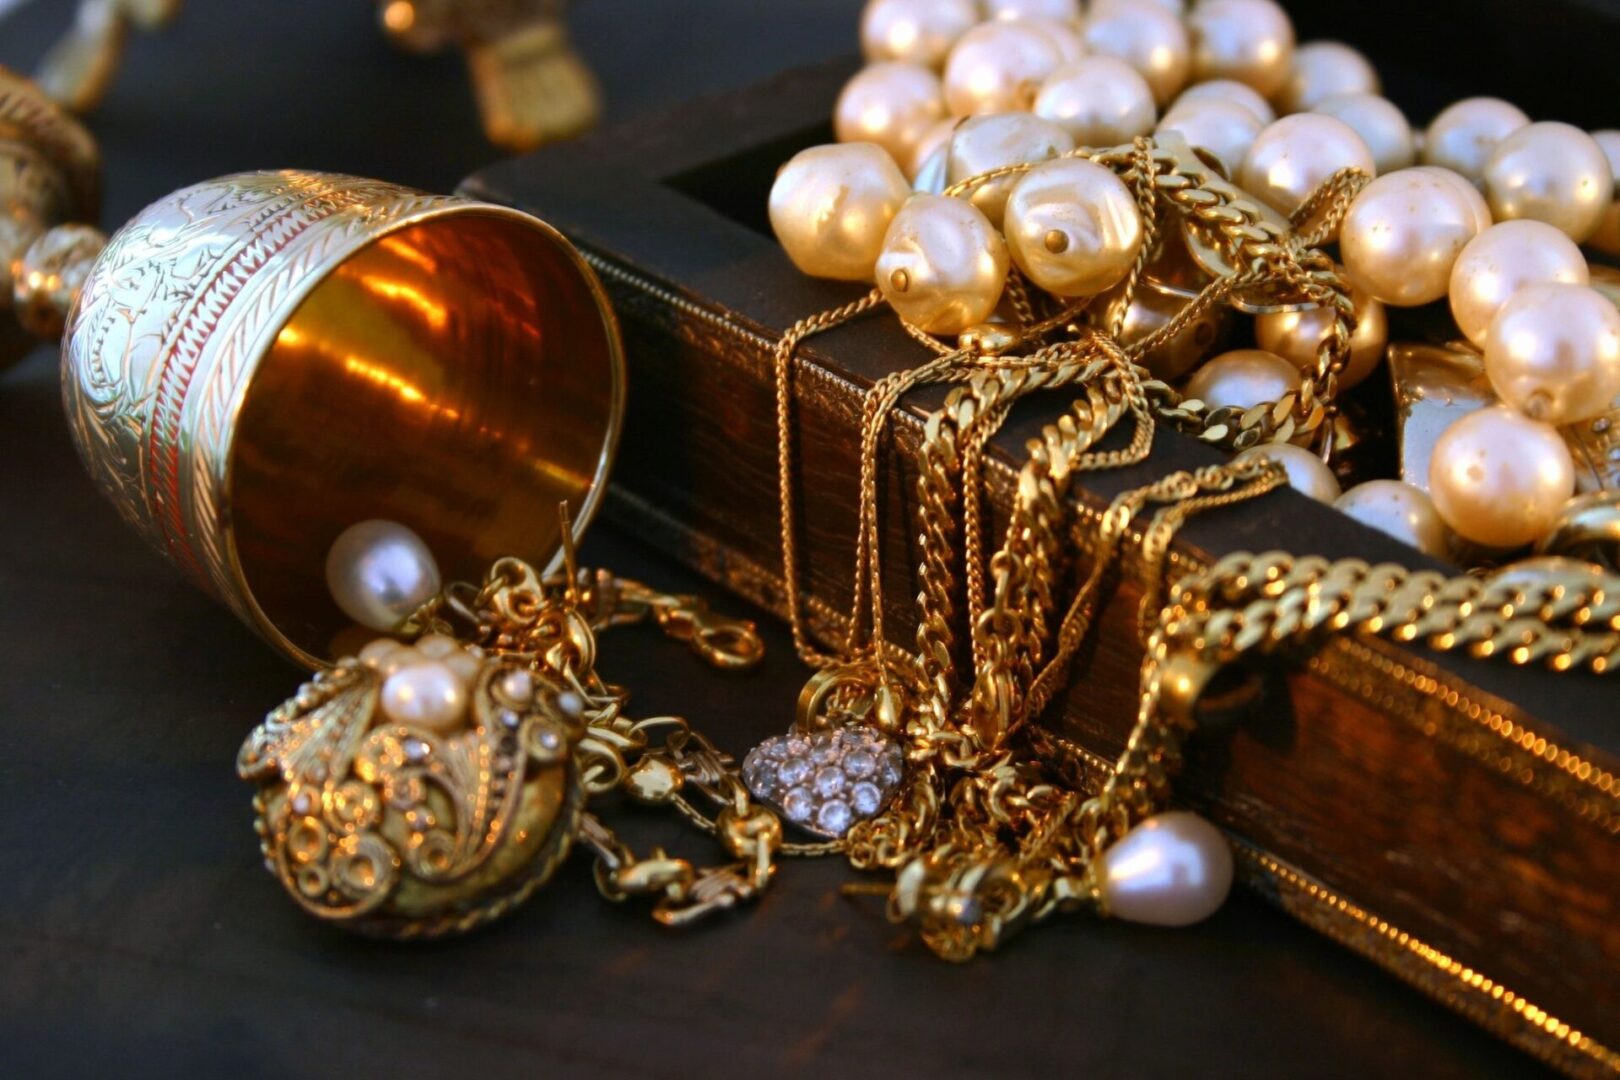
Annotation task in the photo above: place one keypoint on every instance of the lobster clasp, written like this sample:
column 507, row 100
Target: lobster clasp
column 720, row 640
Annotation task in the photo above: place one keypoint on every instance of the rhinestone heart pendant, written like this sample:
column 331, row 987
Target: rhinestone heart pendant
column 826, row 781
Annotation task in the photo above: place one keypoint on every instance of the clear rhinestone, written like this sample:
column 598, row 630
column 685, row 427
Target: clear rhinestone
column 757, row 774
column 798, row 803
column 415, row 749
column 829, row 781
column 796, row 746
column 860, row 764
column 834, row 817
column 826, row 752
column 866, row 798
column 794, row 771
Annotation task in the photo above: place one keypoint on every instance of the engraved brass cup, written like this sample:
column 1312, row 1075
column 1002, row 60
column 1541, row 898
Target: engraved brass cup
column 259, row 361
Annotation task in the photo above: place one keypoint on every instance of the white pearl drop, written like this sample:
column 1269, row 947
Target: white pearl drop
column 1173, row 869
column 380, row 572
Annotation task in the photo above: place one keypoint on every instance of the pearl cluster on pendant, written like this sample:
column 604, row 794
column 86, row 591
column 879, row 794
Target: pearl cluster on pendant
column 1483, row 206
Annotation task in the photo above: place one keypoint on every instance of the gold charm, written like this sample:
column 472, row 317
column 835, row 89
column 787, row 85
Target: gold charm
column 404, row 825
column 426, row 788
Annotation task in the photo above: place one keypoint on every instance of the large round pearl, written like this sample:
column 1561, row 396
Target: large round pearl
column 1466, row 188
column 1404, row 232
column 1073, row 227
column 983, row 143
column 1307, row 473
column 1293, row 156
column 1146, row 36
column 1174, row 869
column 1061, row 10
column 1323, row 69
column 1297, row 335
column 380, row 573
column 943, row 264
column 916, row 31
column 1398, row 510
column 427, row 694
column 1504, row 259
column 1550, row 172
column 893, row 104
column 831, row 205
column 1098, row 100
column 1221, row 127
column 1500, row 478
column 1251, row 41
column 1379, row 122
column 1242, row 379
column 1463, row 135
column 1606, row 237
column 1229, row 90
column 997, row 67
column 1064, row 36
column 1553, row 352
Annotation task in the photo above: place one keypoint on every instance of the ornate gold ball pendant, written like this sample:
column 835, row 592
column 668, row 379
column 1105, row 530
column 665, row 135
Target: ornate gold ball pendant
column 409, row 796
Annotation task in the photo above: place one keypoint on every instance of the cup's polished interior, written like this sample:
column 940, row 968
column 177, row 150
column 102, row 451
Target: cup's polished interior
column 460, row 375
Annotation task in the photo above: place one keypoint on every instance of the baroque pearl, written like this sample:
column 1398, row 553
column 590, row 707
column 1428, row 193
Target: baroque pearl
column 1307, row 473
column 1379, row 122
column 1323, row 69
column 1242, row 379
column 1463, row 135
column 1229, row 90
column 1500, row 478
column 1174, row 869
column 893, row 104
column 1553, row 352
column 1606, row 237
column 1251, row 41
column 1073, row 227
column 997, row 67
column 983, row 143
column 916, row 31
column 1098, row 100
column 427, row 695
column 1292, row 156
column 1550, row 172
column 380, row 572
column 1146, row 36
column 1403, row 234
column 933, row 141
column 1222, row 127
column 1504, row 259
column 831, row 205
column 1297, row 335
column 1398, row 510
column 943, row 264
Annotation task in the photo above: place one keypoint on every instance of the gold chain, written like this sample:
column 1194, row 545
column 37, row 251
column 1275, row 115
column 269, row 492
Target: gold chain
column 983, row 835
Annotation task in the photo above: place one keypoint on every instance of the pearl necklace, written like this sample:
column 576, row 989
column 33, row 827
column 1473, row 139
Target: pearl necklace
column 1484, row 208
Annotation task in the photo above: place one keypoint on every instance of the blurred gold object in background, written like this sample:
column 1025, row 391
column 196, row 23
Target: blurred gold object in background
column 532, row 87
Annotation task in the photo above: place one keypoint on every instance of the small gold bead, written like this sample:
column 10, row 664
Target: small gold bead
column 653, row 781
column 1057, row 241
column 900, row 280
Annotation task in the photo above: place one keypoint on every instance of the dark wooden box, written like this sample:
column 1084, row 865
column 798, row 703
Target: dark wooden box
column 1453, row 820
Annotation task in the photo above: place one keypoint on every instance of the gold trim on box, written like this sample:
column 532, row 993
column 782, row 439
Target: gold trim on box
column 1455, row 715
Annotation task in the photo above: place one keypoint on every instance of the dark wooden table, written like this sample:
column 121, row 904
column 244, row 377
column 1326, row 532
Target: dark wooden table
column 139, row 935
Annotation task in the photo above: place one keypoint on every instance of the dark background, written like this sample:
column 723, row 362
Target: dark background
column 139, row 934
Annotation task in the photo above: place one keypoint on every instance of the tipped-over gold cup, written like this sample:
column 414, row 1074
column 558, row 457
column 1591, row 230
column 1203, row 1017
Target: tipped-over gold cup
column 255, row 363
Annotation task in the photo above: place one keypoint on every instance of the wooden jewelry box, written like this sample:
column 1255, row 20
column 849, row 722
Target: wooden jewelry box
column 1456, row 821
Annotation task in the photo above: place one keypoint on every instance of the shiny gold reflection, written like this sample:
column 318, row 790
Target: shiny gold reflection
column 458, row 376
